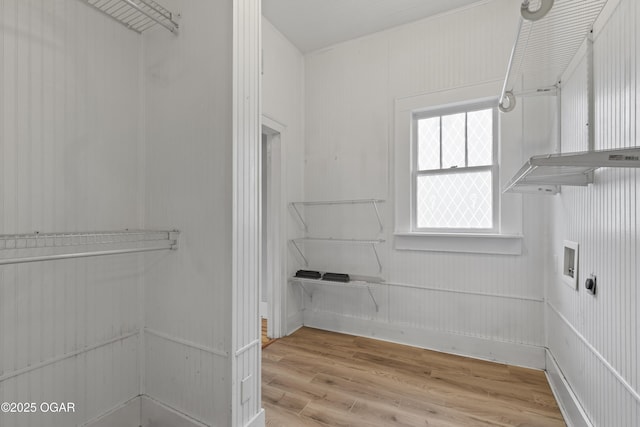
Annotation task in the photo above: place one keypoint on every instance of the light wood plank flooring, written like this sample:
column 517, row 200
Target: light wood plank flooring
column 320, row 378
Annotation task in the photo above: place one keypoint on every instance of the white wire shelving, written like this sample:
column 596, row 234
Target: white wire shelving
column 137, row 15
column 545, row 174
column 356, row 284
column 545, row 45
column 36, row 247
column 372, row 243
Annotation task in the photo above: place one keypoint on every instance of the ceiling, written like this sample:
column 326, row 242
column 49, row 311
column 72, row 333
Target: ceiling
column 314, row 24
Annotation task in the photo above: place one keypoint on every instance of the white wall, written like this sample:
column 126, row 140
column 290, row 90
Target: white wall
column 69, row 161
column 488, row 306
column 595, row 339
column 188, row 186
column 282, row 101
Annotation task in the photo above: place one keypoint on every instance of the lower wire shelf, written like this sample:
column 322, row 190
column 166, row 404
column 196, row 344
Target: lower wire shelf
column 357, row 284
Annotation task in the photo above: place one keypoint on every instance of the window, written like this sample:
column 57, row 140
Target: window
column 453, row 197
column 454, row 179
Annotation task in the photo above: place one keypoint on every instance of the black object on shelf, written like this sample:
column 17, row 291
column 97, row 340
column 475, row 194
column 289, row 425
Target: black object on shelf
column 336, row 277
column 308, row 274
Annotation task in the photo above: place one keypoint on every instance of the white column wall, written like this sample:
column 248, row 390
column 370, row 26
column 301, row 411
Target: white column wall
column 188, row 167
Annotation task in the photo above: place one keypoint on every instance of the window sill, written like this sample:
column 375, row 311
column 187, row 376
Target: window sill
column 495, row 244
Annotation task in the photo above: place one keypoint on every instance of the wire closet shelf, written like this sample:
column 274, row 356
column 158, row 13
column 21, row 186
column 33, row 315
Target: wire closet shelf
column 549, row 34
column 34, row 247
column 137, row 15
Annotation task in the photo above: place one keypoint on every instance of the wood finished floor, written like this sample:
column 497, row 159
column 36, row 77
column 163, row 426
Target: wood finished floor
column 320, row 378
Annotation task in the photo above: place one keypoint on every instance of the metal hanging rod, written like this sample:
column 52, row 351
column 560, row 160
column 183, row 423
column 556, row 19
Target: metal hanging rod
column 137, row 15
column 153, row 240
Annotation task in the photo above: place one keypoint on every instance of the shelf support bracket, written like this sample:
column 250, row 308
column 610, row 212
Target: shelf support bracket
column 306, row 263
column 375, row 251
column 373, row 299
column 295, row 208
column 304, row 289
column 375, row 207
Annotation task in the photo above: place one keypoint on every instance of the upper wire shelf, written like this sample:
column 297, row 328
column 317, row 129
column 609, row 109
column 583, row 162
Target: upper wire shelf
column 57, row 245
column 137, row 15
column 547, row 41
column 545, row 174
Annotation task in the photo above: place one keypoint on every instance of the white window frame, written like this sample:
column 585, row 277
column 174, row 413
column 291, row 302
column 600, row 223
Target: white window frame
column 494, row 167
column 507, row 237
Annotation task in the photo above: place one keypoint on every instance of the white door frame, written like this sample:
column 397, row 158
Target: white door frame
column 276, row 228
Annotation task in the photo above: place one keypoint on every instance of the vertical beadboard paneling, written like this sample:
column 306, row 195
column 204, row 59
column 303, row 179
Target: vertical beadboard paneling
column 188, row 152
column 595, row 339
column 69, row 141
column 245, row 365
column 350, row 93
column 195, row 384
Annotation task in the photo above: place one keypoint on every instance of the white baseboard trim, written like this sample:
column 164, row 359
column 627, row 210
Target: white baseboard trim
column 294, row 322
column 529, row 356
column 596, row 353
column 126, row 414
column 157, row 414
column 259, row 420
column 570, row 407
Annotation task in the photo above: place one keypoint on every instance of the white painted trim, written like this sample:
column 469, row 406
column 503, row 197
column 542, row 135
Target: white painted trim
column 191, row 344
column 154, row 413
column 247, row 347
column 464, row 292
column 126, row 414
column 568, row 402
column 273, row 124
column 276, row 327
column 494, row 244
column 596, row 353
column 509, row 206
column 526, row 355
column 259, row 420
column 142, row 213
column 66, row 356
column 246, row 210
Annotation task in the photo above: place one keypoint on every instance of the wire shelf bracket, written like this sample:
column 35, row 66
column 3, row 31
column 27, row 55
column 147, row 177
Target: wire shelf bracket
column 137, row 15
column 58, row 246
column 353, row 284
column 374, row 203
column 372, row 243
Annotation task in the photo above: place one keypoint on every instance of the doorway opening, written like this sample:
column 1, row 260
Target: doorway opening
column 272, row 271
